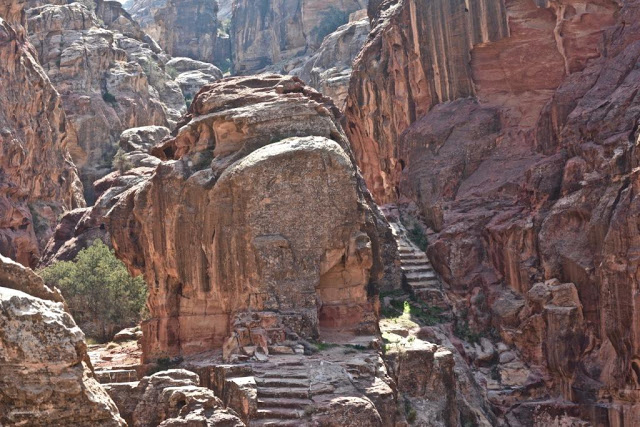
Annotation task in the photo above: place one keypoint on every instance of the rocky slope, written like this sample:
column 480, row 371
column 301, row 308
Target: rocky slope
column 38, row 181
column 306, row 252
column 515, row 135
column 109, row 77
column 44, row 376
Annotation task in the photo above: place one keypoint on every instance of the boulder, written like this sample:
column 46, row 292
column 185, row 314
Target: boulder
column 45, row 374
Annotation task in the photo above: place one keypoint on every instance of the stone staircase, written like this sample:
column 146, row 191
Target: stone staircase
column 106, row 376
column 283, row 392
column 421, row 279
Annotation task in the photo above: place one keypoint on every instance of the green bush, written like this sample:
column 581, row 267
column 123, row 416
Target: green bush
column 99, row 290
column 120, row 161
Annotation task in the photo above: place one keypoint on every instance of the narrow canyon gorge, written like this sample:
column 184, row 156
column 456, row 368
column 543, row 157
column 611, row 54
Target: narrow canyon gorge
column 381, row 213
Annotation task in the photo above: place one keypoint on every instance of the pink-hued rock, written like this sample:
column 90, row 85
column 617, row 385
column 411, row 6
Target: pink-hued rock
column 261, row 210
column 515, row 137
column 38, row 182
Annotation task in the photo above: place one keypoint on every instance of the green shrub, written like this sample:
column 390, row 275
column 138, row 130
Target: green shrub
column 172, row 72
column 120, row 161
column 99, row 290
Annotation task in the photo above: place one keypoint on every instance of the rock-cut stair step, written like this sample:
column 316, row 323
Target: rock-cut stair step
column 279, row 413
column 275, row 423
column 417, row 268
column 279, row 392
column 420, row 276
column 276, row 402
column 282, row 382
column 301, row 375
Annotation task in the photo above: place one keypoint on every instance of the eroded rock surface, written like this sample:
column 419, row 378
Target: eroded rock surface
column 522, row 160
column 79, row 228
column 38, row 182
column 184, row 28
column 271, row 34
column 329, row 69
column 44, row 376
column 307, row 252
column 170, row 399
column 109, row 81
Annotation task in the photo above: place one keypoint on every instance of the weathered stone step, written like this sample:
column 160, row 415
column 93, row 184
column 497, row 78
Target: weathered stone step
column 275, row 423
column 281, row 413
column 415, row 261
column 281, row 382
column 417, row 268
column 285, row 374
column 271, row 402
column 420, row 276
column 116, row 376
column 295, row 393
column 413, row 256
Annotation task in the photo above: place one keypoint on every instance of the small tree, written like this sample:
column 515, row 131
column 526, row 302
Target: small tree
column 99, row 290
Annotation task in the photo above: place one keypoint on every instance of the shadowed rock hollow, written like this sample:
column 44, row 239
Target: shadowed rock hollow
column 259, row 208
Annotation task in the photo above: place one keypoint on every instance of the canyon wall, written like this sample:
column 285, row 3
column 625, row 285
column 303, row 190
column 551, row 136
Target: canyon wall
column 274, row 33
column 512, row 127
column 38, row 181
column 109, row 76
column 232, row 224
column 185, row 28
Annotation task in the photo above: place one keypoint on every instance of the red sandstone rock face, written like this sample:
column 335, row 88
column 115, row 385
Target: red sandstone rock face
column 37, row 179
column 262, row 210
column 531, row 178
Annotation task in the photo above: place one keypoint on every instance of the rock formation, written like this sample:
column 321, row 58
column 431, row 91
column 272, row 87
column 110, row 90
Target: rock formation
column 329, row 69
column 277, row 35
column 44, row 376
column 170, row 399
column 211, row 249
column 78, row 228
column 512, row 126
column 185, row 28
column 37, row 179
column 109, row 81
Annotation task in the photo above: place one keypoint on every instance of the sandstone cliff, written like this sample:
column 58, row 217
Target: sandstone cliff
column 278, row 34
column 329, row 69
column 44, row 377
column 512, row 126
column 109, row 81
column 37, row 179
column 185, row 28
column 235, row 223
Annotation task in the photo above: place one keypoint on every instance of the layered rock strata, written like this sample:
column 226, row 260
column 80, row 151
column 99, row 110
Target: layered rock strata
column 44, row 376
column 522, row 160
column 38, row 181
column 109, row 81
column 310, row 253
